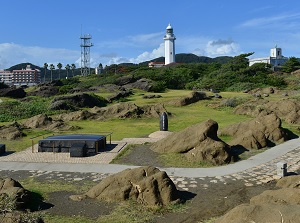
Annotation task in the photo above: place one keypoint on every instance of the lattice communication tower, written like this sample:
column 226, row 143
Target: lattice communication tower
column 85, row 54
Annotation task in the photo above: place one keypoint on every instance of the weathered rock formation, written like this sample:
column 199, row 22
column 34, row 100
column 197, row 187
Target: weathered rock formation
column 76, row 101
column 119, row 95
column 146, row 185
column 258, row 133
column 198, row 143
column 45, row 122
column 194, row 97
column 120, row 110
column 16, row 193
column 142, row 84
column 44, row 90
column 287, row 109
column 12, row 92
column 11, row 131
column 280, row 205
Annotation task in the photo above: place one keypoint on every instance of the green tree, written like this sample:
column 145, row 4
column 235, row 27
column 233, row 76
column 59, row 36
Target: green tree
column 291, row 65
column 73, row 67
column 51, row 67
column 238, row 62
column 45, row 67
column 59, row 66
column 67, row 69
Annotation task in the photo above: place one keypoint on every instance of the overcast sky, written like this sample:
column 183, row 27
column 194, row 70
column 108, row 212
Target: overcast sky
column 48, row 31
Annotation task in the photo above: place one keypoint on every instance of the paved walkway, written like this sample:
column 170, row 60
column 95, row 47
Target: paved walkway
column 258, row 169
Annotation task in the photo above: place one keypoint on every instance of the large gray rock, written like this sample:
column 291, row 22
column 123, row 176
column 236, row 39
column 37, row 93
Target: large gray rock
column 76, row 101
column 45, row 122
column 38, row 121
column 257, row 133
column 14, row 190
column 146, row 185
column 286, row 109
column 194, row 97
column 198, row 142
column 142, row 84
column 12, row 92
column 11, row 131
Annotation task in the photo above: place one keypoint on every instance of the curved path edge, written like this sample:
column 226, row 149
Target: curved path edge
column 253, row 161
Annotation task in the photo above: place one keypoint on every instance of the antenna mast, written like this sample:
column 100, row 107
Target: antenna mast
column 85, row 54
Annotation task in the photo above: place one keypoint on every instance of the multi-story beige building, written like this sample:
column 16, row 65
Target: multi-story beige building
column 26, row 76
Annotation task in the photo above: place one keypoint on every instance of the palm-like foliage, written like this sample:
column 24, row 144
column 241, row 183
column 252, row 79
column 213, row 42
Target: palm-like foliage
column 59, row 66
column 51, row 67
column 73, row 67
column 67, row 69
column 45, row 66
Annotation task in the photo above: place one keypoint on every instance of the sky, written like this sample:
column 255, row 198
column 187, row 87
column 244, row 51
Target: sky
column 48, row 31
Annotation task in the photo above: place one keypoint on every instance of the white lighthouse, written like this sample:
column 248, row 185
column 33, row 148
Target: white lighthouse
column 169, row 45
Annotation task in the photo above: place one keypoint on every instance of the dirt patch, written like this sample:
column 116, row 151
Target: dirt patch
column 141, row 155
column 90, row 208
column 214, row 201
column 281, row 205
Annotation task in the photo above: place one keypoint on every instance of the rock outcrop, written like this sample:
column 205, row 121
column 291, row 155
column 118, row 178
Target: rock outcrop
column 286, row 109
column 198, row 143
column 16, row 193
column 194, row 97
column 120, row 110
column 142, row 84
column 11, row 131
column 12, row 92
column 280, row 205
column 45, row 122
column 77, row 101
column 258, row 133
column 146, row 185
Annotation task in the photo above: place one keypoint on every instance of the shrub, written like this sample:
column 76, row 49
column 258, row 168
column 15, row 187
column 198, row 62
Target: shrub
column 158, row 86
column 15, row 110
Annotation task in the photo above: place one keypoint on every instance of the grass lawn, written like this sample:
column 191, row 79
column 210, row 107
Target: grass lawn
column 180, row 118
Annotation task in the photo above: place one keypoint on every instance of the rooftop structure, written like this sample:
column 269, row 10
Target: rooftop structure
column 275, row 59
column 27, row 76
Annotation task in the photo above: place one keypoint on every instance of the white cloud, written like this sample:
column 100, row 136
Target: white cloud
column 12, row 54
column 145, row 56
column 205, row 46
column 272, row 21
column 222, row 48
column 137, row 41
column 147, row 38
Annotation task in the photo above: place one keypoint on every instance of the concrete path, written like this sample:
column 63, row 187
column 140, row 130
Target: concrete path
column 260, row 164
